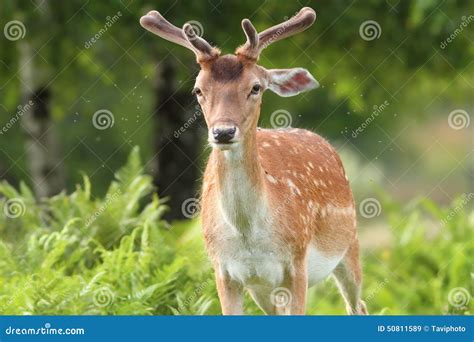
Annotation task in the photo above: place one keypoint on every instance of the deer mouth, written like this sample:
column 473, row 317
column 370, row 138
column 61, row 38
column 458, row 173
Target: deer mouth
column 224, row 146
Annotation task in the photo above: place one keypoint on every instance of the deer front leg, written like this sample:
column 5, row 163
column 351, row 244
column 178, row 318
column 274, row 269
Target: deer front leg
column 291, row 298
column 299, row 287
column 230, row 294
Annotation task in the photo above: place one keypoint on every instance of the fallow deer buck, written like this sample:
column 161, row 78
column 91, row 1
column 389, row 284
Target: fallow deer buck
column 277, row 211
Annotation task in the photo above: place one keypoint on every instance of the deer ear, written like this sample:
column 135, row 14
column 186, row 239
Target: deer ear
column 290, row 82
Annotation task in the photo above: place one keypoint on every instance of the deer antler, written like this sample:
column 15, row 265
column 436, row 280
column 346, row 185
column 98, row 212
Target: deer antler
column 154, row 22
column 256, row 42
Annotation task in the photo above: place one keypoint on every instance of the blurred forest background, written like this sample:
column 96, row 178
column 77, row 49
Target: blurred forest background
column 82, row 84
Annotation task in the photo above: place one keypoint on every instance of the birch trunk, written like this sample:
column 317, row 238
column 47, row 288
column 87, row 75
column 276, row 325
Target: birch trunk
column 44, row 165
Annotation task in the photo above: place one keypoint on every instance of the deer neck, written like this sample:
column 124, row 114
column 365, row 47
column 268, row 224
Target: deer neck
column 240, row 183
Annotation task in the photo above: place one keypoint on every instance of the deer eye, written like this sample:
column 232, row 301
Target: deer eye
column 197, row 91
column 256, row 89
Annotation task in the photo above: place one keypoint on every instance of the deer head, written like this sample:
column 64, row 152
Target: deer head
column 229, row 88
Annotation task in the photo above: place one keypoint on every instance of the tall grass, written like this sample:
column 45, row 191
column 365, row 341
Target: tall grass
column 75, row 254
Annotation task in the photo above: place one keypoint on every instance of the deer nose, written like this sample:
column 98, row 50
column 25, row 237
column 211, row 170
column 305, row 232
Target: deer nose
column 224, row 135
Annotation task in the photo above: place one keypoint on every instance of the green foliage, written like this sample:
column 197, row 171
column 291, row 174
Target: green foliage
column 77, row 255
column 427, row 260
column 74, row 254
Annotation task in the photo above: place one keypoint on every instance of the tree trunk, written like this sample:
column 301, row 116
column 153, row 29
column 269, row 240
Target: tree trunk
column 176, row 165
column 45, row 167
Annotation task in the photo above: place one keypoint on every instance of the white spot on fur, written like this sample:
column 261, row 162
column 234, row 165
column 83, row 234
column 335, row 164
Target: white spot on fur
column 271, row 179
column 345, row 211
column 293, row 187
